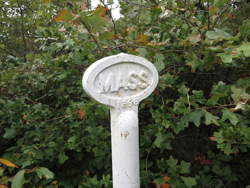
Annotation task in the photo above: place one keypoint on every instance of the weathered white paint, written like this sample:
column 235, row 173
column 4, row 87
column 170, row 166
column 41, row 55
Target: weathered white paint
column 121, row 82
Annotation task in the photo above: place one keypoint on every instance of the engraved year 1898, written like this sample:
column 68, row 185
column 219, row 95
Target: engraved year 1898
column 127, row 103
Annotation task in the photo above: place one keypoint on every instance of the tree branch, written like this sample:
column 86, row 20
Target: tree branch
column 208, row 18
column 92, row 36
column 222, row 12
column 193, row 24
column 235, row 11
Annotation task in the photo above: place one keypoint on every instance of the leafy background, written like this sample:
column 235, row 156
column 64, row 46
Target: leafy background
column 194, row 128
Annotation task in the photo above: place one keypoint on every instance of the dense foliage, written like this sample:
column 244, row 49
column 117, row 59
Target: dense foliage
column 194, row 128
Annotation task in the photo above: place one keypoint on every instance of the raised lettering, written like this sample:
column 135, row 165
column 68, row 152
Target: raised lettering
column 121, row 83
column 132, row 82
column 130, row 103
column 136, row 101
column 124, row 104
column 105, row 85
column 143, row 77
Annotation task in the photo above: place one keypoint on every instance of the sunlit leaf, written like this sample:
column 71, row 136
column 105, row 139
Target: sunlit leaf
column 245, row 29
column 42, row 171
column 3, row 186
column 106, row 35
column 145, row 16
column 143, row 39
column 7, row 163
column 159, row 64
column 218, row 34
column 228, row 56
column 45, row 1
column 245, row 48
column 195, row 39
column 239, row 93
column 63, row 16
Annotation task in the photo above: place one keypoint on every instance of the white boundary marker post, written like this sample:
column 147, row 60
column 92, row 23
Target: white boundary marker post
column 122, row 81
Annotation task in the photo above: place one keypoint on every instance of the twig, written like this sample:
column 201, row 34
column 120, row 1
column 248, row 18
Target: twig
column 194, row 81
column 235, row 11
column 26, row 171
column 56, row 118
column 146, row 165
column 222, row 12
column 208, row 18
column 193, row 24
column 90, row 34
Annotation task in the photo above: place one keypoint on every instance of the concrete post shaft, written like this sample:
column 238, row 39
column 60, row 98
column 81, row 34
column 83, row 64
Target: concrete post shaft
column 125, row 148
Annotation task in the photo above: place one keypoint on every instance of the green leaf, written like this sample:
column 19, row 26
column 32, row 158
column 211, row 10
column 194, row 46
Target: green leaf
column 209, row 118
column 214, row 48
column 18, row 180
column 62, row 157
column 161, row 164
column 216, row 169
column 194, row 62
column 1, row 172
column 145, row 16
column 218, row 34
column 166, row 145
column 159, row 181
column 83, row 36
column 159, row 64
column 37, row 106
column 239, row 93
column 245, row 48
column 44, row 171
column 219, row 136
column 97, row 20
column 63, row 16
column 184, row 91
column 189, row 181
column 213, row 100
column 9, row 133
column 195, row 117
column 143, row 52
column 228, row 56
column 199, row 96
column 63, row 75
column 245, row 29
column 106, row 181
column 181, row 125
column 195, row 39
column 185, row 167
column 93, row 182
column 159, row 139
column 100, row 29
column 236, row 38
column 227, row 114
column 106, row 35
column 172, row 162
